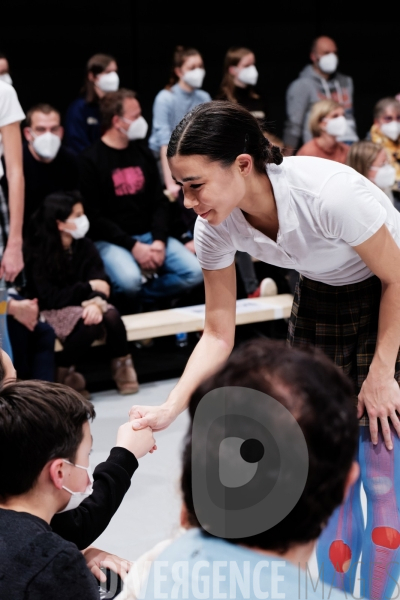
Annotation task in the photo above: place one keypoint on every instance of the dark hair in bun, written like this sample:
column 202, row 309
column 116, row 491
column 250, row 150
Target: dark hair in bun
column 221, row 131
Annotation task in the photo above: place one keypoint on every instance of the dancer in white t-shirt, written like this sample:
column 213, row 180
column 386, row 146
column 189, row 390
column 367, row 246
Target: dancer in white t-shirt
column 343, row 235
column 11, row 114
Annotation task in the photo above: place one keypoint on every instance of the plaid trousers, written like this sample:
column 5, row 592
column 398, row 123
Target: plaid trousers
column 342, row 321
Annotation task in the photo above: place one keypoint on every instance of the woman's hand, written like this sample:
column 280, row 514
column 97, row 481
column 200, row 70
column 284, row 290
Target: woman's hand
column 96, row 559
column 92, row 315
column 156, row 417
column 380, row 396
column 99, row 285
column 12, row 262
column 25, row 312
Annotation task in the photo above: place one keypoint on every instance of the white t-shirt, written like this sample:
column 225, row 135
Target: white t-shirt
column 10, row 111
column 324, row 209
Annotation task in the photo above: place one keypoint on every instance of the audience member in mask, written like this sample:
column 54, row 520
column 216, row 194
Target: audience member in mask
column 5, row 69
column 48, row 165
column 371, row 160
column 54, row 485
column 182, row 93
column 65, row 273
column 327, row 123
column 129, row 212
column 82, row 122
column 318, row 81
column 386, row 132
column 239, row 79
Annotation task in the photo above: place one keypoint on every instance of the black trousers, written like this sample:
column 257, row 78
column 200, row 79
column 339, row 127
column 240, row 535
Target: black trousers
column 79, row 341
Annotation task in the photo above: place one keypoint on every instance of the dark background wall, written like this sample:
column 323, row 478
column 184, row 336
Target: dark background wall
column 48, row 44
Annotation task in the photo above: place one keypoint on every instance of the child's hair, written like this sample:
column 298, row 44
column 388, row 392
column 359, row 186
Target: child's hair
column 232, row 59
column 181, row 53
column 44, row 244
column 39, row 422
column 221, row 131
column 361, row 156
column 96, row 64
column 321, row 399
column 319, row 111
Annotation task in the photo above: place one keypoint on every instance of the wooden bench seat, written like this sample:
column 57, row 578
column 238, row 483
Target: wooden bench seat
column 191, row 318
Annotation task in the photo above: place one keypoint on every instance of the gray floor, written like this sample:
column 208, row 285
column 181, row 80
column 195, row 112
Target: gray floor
column 150, row 510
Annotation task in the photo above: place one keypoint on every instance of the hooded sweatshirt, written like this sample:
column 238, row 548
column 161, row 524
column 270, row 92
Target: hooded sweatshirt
column 304, row 92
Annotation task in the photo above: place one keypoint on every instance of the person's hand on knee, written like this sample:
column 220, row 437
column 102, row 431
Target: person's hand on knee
column 92, row 315
column 158, row 252
column 143, row 255
column 99, row 285
column 25, row 312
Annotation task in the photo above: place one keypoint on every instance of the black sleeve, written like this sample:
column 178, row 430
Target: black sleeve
column 94, row 264
column 66, row 577
column 52, row 296
column 112, row 480
column 161, row 213
column 101, row 228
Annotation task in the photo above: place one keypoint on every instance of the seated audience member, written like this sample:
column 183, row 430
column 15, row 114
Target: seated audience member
column 320, row 398
column 239, row 79
column 371, row 160
column 128, row 210
column 40, row 480
column 386, row 132
column 181, row 94
column 82, row 121
column 65, row 273
column 327, row 122
column 317, row 81
column 48, row 166
column 5, row 69
column 32, row 340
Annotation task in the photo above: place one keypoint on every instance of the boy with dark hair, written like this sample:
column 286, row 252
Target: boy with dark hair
column 45, row 443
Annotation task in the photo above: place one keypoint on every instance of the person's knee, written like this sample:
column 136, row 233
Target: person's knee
column 121, row 268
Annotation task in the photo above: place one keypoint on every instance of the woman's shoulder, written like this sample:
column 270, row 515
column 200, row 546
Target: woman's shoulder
column 203, row 96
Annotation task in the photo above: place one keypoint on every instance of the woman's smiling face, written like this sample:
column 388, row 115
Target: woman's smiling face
column 211, row 189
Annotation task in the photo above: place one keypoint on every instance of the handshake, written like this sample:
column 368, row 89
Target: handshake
column 138, row 442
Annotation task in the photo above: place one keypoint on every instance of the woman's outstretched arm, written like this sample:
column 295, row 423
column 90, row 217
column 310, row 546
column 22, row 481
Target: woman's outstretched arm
column 209, row 355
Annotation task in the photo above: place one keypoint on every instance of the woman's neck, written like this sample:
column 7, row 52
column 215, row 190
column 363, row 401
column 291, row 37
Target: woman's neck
column 259, row 205
column 66, row 240
column 185, row 86
column 326, row 142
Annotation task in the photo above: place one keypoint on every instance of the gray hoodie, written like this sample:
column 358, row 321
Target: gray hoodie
column 301, row 95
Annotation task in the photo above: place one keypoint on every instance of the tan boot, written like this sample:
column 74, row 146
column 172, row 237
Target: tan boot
column 124, row 375
column 76, row 381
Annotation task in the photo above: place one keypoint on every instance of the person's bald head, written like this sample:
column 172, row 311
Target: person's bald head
column 322, row 45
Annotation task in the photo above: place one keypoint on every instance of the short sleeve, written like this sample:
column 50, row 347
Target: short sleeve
column 351, row 208
column 214, row 248
column 10, row 108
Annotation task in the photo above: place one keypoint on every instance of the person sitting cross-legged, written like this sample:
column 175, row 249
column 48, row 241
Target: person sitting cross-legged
column 128, row 210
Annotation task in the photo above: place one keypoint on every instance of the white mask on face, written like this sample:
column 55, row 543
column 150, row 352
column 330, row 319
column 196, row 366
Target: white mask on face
column 82, row 227
column 46, row 145
column 137, row 129
column 336, row 126
column 248, row 75
column 391, row 130
column 78, row 497
column 6, row 77
column 385, row 176
column 195, row 77
column 328, row 63
column 108, row 82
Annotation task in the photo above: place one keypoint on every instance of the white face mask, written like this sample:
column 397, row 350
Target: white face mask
column 78, row 497
column 137, row 129
column 384, row 176
column 46, row 145
column 328, row 63
column 391, row 130
column 82, row 227
column 6, row 77
column 248, row 75
column 336, row 126
column 195, row 77
column 108, row 82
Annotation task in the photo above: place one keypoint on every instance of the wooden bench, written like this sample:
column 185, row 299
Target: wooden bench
column 191, row 318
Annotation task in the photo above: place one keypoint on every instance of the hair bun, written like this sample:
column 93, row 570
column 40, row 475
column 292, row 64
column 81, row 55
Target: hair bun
column 272, row 154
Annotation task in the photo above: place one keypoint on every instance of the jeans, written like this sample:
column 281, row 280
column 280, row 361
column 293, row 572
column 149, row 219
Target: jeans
column 180, row 272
